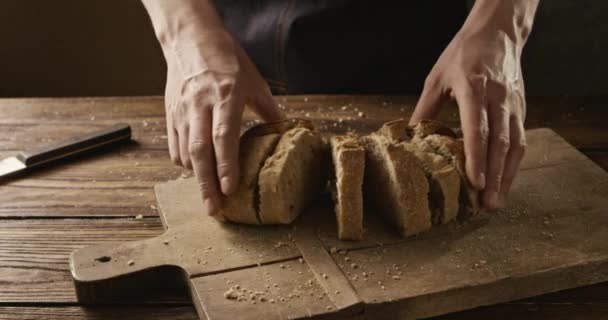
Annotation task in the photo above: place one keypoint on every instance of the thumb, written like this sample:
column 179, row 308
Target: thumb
column 266, row 107
column 430, row 101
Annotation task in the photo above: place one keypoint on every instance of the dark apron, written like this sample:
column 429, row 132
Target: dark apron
column 342, row 46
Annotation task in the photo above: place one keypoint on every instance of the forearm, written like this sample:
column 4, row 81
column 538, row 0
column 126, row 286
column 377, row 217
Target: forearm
column 513, row 17
column 184, row 20
column 192, row 35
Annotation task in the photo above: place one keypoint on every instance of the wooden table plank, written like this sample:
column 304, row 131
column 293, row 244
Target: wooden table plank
column 34, row 255
column 39, row 121
column 160, row 312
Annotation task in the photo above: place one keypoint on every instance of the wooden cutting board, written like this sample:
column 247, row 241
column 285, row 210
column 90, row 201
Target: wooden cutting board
column 553, row 236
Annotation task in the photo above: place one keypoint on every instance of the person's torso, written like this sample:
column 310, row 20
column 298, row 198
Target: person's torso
column 343, row 46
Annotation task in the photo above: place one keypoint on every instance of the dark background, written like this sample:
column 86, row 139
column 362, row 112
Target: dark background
column 108, row 48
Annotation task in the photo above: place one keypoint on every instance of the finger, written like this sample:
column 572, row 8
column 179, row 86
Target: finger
column 227, row 115
column 172, row 140
column 203, row 161
column 514, row 157
column 430, row 102
column 183, row 134
column 266, row 107
column 470, row 97
column 498, row 148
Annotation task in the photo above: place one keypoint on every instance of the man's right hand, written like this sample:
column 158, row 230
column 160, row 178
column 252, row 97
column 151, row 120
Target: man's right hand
column 208, row 84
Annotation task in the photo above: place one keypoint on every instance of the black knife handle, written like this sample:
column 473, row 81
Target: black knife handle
column 117, row 133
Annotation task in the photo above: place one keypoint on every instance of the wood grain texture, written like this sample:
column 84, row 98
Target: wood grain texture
column 159, row 312
column 579, row 120
column 39, row 121
column 34, row 254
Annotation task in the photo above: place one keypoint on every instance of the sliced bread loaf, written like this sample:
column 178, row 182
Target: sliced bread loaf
column 444, row 181
column 453, row 149
column 395, row 181
column 444, row 142
column 348, row 157
column 241, row 206
column 291, row 177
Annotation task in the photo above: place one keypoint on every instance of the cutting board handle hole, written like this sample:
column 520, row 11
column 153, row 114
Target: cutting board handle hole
column 103, row 259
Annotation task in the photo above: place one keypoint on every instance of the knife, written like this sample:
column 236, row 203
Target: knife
column 26, row 160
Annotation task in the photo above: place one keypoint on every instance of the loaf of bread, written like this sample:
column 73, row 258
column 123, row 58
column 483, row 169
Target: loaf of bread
column 348, row 157
column 280, row 173
column 413, row 175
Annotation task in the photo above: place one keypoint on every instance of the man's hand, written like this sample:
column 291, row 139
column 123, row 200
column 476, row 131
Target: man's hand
column 209, row 81
column 204, row 107
column 481, row 70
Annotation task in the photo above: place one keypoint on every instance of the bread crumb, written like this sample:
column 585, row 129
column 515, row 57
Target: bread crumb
column 396, row 277
column 361, row 114
column 301, row 260
column 166, row 242
column 131, row 262
column 333, row 250
column 324, row 276
column 354, row 266
column 231, row 294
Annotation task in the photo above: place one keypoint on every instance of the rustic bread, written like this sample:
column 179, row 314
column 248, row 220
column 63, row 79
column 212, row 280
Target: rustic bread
column 291, row 177
column 444, row 181
column 241, row 206
column 395, row 181
column 348, row 157
column 444, row 142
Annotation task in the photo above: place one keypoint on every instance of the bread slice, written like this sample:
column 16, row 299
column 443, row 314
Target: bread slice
column 444, row 184
column 453, row 149
column 395, row 181
column 348, row 157
column 444, row 142
column 291, row 177
column 444, row 181
column 242, row 206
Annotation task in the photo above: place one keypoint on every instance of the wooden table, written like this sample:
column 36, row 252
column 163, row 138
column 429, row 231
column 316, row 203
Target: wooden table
column 108, row 196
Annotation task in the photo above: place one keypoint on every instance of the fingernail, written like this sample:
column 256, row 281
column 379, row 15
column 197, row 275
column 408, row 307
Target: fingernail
column 481, row 181
column 208, row 206
column 492, row 201
column 226, row 185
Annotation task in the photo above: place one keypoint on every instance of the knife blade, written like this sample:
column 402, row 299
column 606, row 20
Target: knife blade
column 24, row 161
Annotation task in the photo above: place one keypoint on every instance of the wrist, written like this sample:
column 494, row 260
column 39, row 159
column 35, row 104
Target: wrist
column 490, row 18
column 184, row 21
